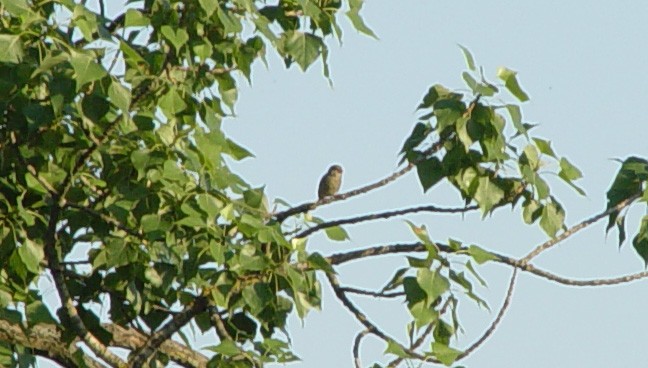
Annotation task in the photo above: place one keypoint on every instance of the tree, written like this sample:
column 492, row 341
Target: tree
column 112, row 149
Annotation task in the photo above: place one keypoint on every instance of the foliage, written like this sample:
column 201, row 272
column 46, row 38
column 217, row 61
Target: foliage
column 111, row 148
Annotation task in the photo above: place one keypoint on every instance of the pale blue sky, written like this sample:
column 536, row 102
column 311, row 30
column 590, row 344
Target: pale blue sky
column 583, row 65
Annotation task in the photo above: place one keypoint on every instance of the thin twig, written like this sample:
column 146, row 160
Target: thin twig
column 356, row 348
column 496, row 321
column 574, row 229
column 383, row 215
column 375, row 294
column 340, row 258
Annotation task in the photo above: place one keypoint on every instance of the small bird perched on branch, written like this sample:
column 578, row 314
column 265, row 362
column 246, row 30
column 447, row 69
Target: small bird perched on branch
column 331, row 181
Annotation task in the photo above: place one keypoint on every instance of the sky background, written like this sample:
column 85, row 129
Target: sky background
column 583, row 64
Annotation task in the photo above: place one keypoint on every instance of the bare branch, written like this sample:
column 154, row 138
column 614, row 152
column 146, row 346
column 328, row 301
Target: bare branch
column 584, row 283
column 340, row 258
column 496, row 322
column 383, row 215
column 177, row 322
column 375, row 294
column 356, row 348
column 574, row 229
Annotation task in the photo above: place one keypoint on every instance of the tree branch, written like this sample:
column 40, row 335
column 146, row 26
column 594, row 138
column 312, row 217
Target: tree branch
column 177, row 322
column 45, row 340
column 340, row 258
column 574, row 229
column 375, row 294
column 496, row 322
column 356, row 348
column 130, row 338
column 383, row 215
column 305, row 207
column 69, row 310
column 281, row 216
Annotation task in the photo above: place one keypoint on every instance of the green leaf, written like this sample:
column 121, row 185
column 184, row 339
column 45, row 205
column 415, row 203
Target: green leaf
column 17, row 7
column 209, row 204
column 135, row 18
column 31, row 255
column 531, row 211
column 470, row 61
column 209, row 6
column 552, row 219
column 257, row 296
column 417, row 136
column 237, row 152
column 171, row 103
column 444, row 353
column 473, row 272
column 226, row 347
column 153, row 223
column 396, row 280
column 413, row 291
column 488, row 194
column 545, row 147
column 119, row 96
column 318, row 262
column 422, row 234
column 569, row 173
column 516, row 118
column 433, row 283
column 36, row 312
column 433, row 94
column 177, row 37
column 629, row 181
column 429, row 172
column 531, row 156
column 511, row 83
column 227, row 90
column 395, row 348
column 171, row 171
column 230, row 23
column 303, row 47
column 86, row 69
column 11, row 49
column 337, row 233
column 354, row 16
column 131, row 57
column 640, row 241
column 480, row 255
column 153, row 277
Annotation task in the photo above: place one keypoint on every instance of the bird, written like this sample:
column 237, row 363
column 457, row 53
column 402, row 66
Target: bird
column 330, row 182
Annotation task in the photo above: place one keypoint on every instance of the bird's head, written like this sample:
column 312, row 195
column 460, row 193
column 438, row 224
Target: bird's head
column 337, row 169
